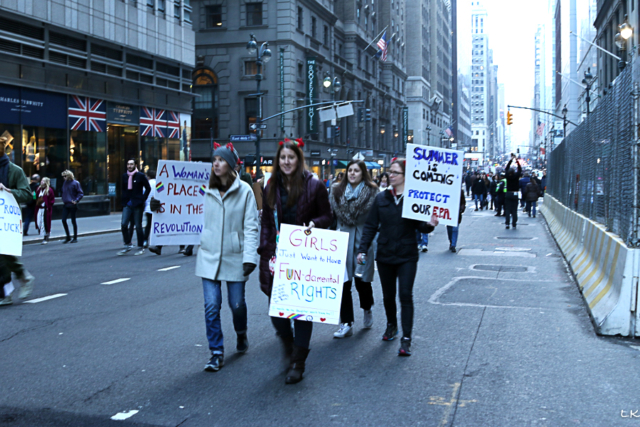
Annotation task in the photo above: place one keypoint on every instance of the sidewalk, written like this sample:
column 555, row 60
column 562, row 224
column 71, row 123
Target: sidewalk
column 89, row 226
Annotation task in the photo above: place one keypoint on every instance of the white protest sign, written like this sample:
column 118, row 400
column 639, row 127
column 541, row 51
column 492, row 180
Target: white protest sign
column 180, row 187
column 10, row 225
column 307, row 283
column 433, row 179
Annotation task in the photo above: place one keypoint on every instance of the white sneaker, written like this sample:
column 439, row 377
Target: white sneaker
column 26, row 285
column 346, row 330
column 125, row 250
column 368, row 319
column 140, row 252
column 6, row 301
column 424, row 248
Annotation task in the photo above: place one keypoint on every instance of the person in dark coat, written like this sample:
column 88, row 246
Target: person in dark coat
column 500, row 191
column 298, row 198
column 493, row 186
column 543, row 182
column 511, row 196
column 135, row 191
column 71, row 196
column 523, row 184
column 468, row 181
column 478, row 190
column 452, row 232
column 30, row 208
column 531, row 194
column 397, row 255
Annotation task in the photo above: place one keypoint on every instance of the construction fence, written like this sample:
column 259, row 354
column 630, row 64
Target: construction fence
column 592, row 171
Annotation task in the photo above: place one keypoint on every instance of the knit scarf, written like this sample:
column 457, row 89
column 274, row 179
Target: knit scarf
column 131, row 174
column 351, row 193
column 348, row 210
column 4, row 170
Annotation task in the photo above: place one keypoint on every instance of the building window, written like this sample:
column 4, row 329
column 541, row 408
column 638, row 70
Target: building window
column 214, row 16
column 251, row 113
column 205, row 106
column 300, row 71
column 254, row 14
column 314, row 26
column 325, row 36
column 250, row 68
column 300, row 19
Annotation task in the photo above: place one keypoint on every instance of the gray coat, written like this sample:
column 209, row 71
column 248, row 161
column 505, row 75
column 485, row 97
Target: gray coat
column 230, row 235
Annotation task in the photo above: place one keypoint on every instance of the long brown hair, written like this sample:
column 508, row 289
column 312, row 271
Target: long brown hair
column 215, row 182
column 339, row 190
column 295, row 181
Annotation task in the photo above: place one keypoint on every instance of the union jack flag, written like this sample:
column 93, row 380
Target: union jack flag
column 173, row 125
column 87, row 114
column 153, row 122
column 382, row 44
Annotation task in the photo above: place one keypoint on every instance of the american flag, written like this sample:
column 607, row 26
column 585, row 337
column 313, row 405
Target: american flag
column 153, row 122
column 382, row 44
column 87, row 114
column 540, row 128
column 173, row 125
column 449, row 132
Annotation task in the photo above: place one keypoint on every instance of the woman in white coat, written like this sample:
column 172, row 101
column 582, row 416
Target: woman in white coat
column 228, row 251
column 351, row 200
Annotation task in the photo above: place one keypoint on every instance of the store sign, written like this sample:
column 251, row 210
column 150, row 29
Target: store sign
column 123, row 114
column 312, row 96
column 316, row 153
column 267, row 161
column 315, row 163
column 33, row 107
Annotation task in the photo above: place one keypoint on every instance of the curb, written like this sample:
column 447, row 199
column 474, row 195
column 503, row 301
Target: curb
column 55, row 239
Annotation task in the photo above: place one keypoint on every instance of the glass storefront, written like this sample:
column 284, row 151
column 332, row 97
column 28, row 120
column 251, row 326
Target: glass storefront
column 43, row 153
column 88, row 160
column 152, row 150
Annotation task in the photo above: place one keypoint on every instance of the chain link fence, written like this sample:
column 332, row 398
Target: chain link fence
column 592, row 170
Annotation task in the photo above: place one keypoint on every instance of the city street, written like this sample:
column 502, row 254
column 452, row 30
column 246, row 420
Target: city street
column 501, row 338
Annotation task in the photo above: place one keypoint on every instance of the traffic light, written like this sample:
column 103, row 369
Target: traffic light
column 337, row 131
column 367, row 115
column 361, row 114
column 509, row 118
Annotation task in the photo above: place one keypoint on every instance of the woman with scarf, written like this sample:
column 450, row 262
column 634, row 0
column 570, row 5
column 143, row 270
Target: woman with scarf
column 292, row 196
column 351, row 200
column 397, row 254
column 45, row 198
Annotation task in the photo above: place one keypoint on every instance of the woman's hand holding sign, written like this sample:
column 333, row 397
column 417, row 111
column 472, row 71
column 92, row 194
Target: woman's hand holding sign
column 434, row 220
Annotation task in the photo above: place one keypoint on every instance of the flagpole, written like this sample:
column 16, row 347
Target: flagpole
column 376, row 37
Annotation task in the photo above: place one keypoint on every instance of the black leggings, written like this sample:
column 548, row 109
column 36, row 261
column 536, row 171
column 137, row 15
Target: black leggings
column 303, row 330
column 405, row 274
column 365, row 291
column 70, row 212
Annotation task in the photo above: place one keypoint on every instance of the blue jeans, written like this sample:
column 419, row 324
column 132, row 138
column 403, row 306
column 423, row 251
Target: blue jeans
column 423, row 239
column 531, row 205
column 452, row 232
column 477, row 197
column 134, row 215
column 212, row 302
column 27, row 218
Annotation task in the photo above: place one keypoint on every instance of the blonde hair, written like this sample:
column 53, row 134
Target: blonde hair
column 68, row 173
column 47, row 184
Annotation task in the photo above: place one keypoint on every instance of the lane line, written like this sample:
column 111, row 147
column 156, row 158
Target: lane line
column 113, row 282
column 121, row 416
column 170, row 268
column 37, row 300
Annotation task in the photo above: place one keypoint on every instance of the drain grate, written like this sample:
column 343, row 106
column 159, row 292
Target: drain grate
column 502, row 268
column 514, row 238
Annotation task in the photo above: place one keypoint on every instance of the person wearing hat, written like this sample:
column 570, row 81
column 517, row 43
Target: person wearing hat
column 228, row 251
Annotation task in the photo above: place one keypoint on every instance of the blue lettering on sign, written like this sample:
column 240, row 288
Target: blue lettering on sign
column 426, row 195
column 12, row 210
column 185, row 174
column 186, row 227
column 13, row 228
column 435, row 156
column 309, row 292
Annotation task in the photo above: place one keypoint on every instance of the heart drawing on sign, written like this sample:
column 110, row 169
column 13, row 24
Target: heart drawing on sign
column 281, row 313
column 322, row 319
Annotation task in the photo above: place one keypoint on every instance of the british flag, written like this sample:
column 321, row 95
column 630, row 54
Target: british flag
column 153, row 122
column 173, row 125
column 87, row 114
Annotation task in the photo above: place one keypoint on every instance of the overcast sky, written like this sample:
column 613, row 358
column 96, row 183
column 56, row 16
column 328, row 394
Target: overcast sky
column 512, row 27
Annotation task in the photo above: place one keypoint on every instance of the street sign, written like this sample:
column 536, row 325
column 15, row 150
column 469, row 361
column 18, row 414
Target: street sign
column 254, row 126
column 242, row 138
column 112, row 189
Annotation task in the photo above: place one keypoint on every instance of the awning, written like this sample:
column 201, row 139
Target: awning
column 372, row 165
column 342, row 164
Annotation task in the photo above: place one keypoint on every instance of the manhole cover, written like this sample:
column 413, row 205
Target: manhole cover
column 503, row 268
column 514, row 238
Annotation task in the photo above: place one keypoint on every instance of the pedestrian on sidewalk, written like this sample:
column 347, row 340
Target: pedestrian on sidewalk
column 397, row 255
column 523, row 185
column 239, row 168
column 531, row 195
column 512, row 192
column 14, row 181
column 148, row 214
column 468, row 182
column 292, row 196
column 30, row 208
column 493, row 186
column 452, row 232
column 135, row 191
column 478, row 190
column 351, row 200
column 230, row 216
column 501, row 189
column 45, row 198
column 71, row 196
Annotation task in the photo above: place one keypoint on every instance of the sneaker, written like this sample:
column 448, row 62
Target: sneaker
column 346, row 330
column 26, row 285
column 390, row 333
column 156, row 250
column 126, row 250
column 6, row 301
column 44, row 242
column 215, row 363
column 243, row 343
column 140, row 252
column 405, row 347
column 452, row 249
column 74, row 240
column 367, row 323
column 424, row 248
column 145, row 244
column 181, row 251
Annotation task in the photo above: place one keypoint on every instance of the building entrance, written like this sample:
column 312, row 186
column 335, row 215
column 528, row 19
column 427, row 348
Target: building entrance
column 122, row 144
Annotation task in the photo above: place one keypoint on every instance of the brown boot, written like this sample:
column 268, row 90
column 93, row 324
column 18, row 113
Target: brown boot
column 296, row 366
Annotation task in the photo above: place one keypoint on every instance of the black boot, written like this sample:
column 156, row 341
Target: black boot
column 296, row 366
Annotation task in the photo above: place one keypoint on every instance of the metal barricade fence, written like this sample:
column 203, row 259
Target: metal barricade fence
column 592, row 170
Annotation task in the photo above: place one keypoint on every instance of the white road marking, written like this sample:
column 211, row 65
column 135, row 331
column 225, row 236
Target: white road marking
column 480, row 252
column 113, row 282
column 121, row 416
column 169, row 268
column 37, row 300
column 514, row 249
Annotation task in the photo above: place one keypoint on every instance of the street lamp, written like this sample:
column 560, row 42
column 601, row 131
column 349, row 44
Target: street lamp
column 625, row 29
column 263, row 55
column 588, row 81
column 337, row 86
column 564, row 121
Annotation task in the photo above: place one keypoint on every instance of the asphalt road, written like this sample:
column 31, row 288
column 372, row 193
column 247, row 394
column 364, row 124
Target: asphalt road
column 501, row 338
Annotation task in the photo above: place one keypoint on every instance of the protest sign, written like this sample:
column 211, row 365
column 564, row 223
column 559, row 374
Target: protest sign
column 180, row 187
column 308, row 275
column 10, row 225
column 433, row 179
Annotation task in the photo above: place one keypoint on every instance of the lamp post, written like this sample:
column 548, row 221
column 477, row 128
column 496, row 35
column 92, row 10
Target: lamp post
column 588, row 82
column 263, row 55
column 337, row 86
column 564, row 121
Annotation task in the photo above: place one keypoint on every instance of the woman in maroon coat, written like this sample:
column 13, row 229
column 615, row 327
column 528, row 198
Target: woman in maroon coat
column 298, row 198
column 45, row 198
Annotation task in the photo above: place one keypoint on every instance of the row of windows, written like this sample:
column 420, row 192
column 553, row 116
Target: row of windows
column 253, row 11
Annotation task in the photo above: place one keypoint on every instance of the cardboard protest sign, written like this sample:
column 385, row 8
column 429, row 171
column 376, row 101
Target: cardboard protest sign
column 433, row 179
column 10, row 225
column 309, row 271
column 180, row 187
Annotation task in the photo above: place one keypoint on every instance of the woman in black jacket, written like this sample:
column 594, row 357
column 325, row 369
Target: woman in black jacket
column 397, row 254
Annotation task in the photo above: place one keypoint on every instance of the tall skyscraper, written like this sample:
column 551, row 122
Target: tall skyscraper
column 480, row 73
